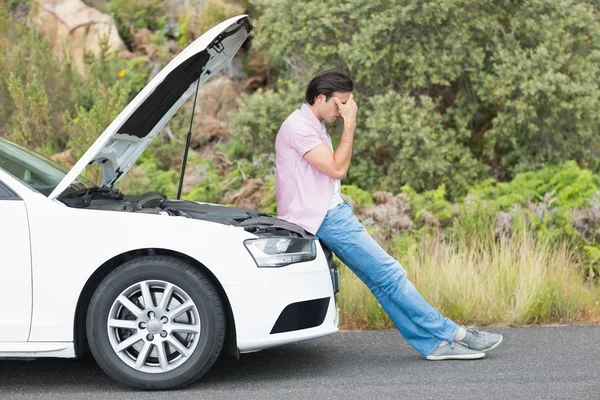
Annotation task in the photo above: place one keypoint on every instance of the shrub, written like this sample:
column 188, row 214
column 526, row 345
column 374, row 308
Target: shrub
column 255, row 125
column 195, row 23
column 137, row 14
column 446, row 87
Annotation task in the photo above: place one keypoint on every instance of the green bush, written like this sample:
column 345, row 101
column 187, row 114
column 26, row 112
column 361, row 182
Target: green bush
column 360, row 197
column 137, row 14
column 255, row 125
column 404, row 142
column 447, row 87
column 268, row 203
column 39, row 93
column 31, row 116
column 543, row 202
column 35, row 87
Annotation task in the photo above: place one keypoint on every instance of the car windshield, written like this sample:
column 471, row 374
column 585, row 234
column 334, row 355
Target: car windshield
column 37, row 172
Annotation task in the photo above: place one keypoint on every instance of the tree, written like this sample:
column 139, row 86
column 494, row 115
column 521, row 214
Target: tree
column 498, row 86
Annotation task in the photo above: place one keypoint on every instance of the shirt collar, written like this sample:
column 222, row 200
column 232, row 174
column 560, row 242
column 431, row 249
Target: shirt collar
column 312, row 118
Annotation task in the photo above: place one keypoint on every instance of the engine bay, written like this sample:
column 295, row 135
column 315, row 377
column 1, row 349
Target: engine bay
column 105, row 198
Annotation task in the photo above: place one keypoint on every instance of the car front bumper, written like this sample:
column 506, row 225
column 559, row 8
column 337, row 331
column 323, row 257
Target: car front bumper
column 292, row 303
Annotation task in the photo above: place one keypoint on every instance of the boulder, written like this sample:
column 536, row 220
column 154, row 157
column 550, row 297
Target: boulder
column 73, row 27
column 248, row 196
column 389, row 214
column 216, row 99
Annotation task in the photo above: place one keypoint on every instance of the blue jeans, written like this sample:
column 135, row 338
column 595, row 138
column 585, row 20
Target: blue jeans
column 420, row 324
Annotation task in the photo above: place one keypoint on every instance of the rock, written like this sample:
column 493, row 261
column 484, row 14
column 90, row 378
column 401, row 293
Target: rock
column 248, row 196
column 142, row 42
column 254, row 83
column 428, row 219
column 502, row 224
column 99, row 5
column 156, row 68
column 173, row 47
column 151, row 50
column 260, row 65
column 141, row 37
column 586, row 221
column 382, row 197
column 70, row 25
column 348, row 200
column 389, row 214
column 208, row 130
column 171, row 29
column 216, row 99
column 401, row 222
column 126, row 55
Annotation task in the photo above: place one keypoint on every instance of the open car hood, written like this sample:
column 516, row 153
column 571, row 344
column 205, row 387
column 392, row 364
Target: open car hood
column 120, row 145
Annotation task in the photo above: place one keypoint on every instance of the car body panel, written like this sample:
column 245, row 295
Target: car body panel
column 56, row 268
column 37, row 349
column 15, row 270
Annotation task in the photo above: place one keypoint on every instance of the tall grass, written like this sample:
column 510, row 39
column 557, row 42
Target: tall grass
column 480, row 281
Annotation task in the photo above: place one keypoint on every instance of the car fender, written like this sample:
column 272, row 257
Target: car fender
column 69, row 245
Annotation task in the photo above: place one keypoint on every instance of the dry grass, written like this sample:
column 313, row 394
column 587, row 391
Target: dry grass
column 517, row 282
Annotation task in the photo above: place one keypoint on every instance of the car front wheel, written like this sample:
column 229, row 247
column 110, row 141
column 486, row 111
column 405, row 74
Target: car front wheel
column 156, row 322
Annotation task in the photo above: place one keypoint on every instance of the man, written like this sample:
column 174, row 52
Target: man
column 308, row 174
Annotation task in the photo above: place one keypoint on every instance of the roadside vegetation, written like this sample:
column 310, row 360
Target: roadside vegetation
column 521, row 252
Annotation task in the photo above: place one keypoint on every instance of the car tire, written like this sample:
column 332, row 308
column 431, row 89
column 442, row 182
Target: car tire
column 156, row 346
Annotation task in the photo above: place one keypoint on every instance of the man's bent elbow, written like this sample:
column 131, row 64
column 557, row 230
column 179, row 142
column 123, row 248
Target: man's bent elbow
column 340, row 175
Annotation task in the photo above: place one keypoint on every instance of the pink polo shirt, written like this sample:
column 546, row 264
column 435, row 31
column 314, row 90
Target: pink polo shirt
column 303, row 192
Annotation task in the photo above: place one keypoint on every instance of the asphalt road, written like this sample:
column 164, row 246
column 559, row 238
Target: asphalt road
column 532, row 363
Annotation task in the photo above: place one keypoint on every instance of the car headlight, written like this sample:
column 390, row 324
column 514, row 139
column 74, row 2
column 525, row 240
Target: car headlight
column 279, row 252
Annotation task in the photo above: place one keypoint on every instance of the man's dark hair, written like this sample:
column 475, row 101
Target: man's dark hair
column 326, row 83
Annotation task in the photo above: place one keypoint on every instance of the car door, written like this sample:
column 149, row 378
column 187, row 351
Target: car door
column 15, row 268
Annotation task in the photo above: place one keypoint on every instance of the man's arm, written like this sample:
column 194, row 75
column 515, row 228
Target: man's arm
column 336, row 164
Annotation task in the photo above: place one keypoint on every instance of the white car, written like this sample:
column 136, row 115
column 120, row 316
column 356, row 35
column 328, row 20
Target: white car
column 155, row 288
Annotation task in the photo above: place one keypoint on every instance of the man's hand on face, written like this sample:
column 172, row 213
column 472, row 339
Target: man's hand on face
column 347, row 111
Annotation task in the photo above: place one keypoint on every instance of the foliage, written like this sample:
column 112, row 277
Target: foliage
column 107, row 69
column 209, row 15
column 209, row 188
column 545, row 202
column 14, row 4
column 39, row 93
column 151, row 177
column 42, row 87
column 268, row 203
column 31, row 116
column 257, row 122
column 432, row 201
column 405, row 142
column 137, row 14
column 86, row 125
column 508, row 85
column 570, row 185
column 480, row 282
column 360, row 197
